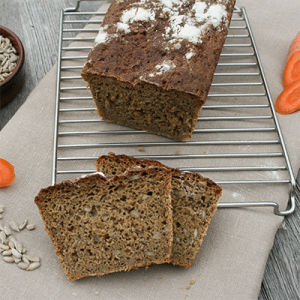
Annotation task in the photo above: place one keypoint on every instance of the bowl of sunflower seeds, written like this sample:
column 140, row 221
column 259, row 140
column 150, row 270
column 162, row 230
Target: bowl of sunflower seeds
column 12, row 58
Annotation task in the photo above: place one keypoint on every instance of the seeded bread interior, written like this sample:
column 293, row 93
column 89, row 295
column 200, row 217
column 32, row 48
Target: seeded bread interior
column 101, row 225
column 194, row 202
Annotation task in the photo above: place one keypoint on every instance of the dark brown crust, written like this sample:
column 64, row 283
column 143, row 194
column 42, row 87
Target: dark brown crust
column 40, row 202
column 133, row 55
column 146, row 163
column 123, row 67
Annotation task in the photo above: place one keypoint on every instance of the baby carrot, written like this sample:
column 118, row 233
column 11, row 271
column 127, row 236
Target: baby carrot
column 7, row 174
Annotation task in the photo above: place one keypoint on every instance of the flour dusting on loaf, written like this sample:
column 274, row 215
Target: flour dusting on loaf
column 153, row 62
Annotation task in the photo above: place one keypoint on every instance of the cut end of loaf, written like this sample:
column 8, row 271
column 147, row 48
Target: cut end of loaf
column 145, row 107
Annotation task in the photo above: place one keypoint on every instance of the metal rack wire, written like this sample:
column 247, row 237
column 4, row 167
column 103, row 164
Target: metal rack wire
column 237, row 140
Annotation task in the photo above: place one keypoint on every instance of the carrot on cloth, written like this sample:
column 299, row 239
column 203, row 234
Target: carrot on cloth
column 292, row 68
column 289, row 100
column 7, row 174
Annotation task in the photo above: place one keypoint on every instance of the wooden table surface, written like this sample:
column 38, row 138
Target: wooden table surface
column 36, row 23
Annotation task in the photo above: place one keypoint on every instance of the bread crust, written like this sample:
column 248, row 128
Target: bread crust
column 123, row 56
column 144, row 73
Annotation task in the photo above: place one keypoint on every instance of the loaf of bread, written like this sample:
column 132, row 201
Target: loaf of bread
column 194, row 202
column 153, row 62
column 101, row 225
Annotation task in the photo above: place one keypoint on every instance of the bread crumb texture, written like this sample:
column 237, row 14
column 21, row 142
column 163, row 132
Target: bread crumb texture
column 194, row 202
column 100, row 225
column 130, row 213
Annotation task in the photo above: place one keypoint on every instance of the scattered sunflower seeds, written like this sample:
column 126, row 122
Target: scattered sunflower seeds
column 23, row 265
column 7, row 231
column 4, row 247
column 32, row 258
column 25, row 260
column 3, row 237
column 17, row 259
column 30, row 226
column 16, row 253
column 8, row 259
column 11, row 244
column 14, row 226
column 12, row 238
column 1, row 209
column 23, row 225
column 11, row 249
column 33, row 266
column 18, row 246
column 7, row 253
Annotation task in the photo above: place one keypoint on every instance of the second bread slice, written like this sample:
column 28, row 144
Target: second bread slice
column 194, row 202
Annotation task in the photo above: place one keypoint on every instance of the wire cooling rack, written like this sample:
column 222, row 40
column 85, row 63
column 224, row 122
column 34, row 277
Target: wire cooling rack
column 237, row 141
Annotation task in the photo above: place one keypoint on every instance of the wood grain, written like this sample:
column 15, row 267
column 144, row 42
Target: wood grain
column 36, row 22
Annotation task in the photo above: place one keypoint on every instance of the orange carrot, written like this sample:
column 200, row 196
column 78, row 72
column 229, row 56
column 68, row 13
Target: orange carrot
column 289, row 100
column 7, row 174
column 292, row 68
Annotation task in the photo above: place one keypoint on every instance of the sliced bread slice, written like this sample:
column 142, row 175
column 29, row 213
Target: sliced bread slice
column 194, row 201
column 99, row 225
